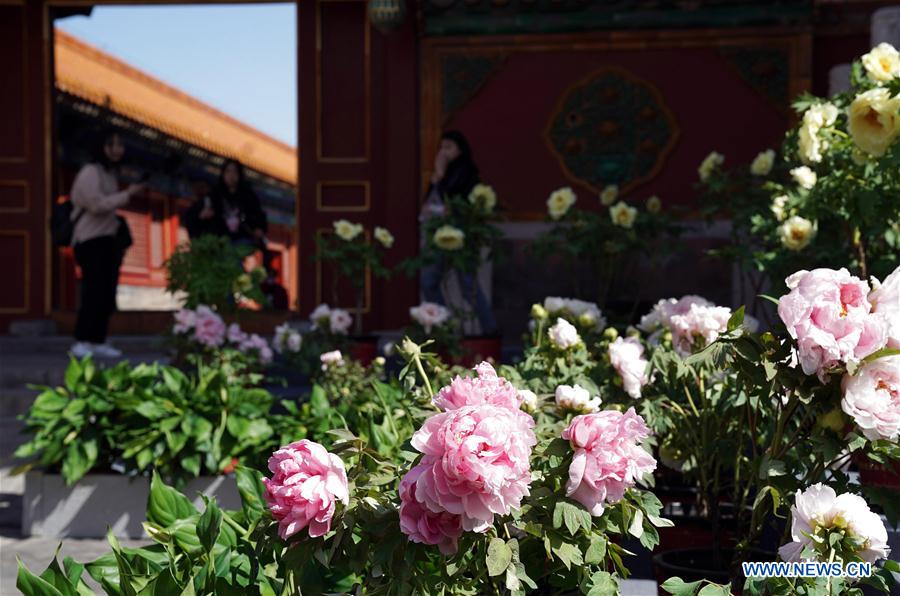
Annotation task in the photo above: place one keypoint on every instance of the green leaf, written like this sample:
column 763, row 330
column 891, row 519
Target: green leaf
column 603, row 583
column 73, row 373
column 79, row 459
column 596, row 552
column 209, row 524
column 636, row 528
column 736, row 319
column 714, row 590
column 498, row 557
column 568, row 553
column 569, row 514
column 558, row 447
column 191, row 463
column 318, row 401
column 252, row 491
column 32, row 585
column 166, row 505
column 678, row 587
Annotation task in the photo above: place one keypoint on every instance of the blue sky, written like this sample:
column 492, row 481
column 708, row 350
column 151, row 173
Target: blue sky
column 241, row 59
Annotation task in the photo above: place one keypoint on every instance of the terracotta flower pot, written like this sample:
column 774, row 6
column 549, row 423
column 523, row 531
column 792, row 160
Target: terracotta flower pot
column 693, row 564
column 478, row 349
column 872, row 474
column 364, row 349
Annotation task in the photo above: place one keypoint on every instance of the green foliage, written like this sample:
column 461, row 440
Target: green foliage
column 151, row 417
column 209, row 270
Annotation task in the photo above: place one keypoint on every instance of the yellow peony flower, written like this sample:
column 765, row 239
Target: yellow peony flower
column 384, row 236
column 762, row 163
column 346, row 230
column 874, row 122
column 709, row 164
column 654, row 204
column 449, row 238
column 484, row 197
column 560, row 201
column 882, row 63
column 814, row 119
column 796, row 233
column 622, row 215
column 779, row 207
column 609, row 195
column 805, row 177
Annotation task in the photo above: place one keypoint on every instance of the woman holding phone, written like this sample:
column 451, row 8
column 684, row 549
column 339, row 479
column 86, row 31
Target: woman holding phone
column 99, row 238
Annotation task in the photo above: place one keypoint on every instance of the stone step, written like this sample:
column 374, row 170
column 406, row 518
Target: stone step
column 20, row 370
column 60, row 344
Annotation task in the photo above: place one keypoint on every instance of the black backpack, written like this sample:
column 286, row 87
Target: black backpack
column 62, row 226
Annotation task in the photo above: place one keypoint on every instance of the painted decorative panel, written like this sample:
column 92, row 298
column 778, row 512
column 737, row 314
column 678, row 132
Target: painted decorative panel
column 342, row 196
column 611, row 128
column 14, row 196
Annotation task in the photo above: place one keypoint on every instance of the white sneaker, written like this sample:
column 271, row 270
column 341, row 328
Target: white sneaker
column 82, row 349
column 105, row 350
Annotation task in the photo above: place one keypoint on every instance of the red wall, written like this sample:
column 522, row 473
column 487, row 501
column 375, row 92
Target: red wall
column 713, row 108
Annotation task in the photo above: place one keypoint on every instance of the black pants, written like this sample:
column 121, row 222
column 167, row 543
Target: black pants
column 99, row 259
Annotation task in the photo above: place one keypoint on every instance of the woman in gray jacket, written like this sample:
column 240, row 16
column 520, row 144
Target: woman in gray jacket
column 98, row 247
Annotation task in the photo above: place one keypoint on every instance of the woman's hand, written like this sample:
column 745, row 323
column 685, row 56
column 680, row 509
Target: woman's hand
column 440, row 167
column 135, row 189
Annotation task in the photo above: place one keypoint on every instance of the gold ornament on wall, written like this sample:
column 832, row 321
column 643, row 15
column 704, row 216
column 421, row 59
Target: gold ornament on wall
column 387, row 15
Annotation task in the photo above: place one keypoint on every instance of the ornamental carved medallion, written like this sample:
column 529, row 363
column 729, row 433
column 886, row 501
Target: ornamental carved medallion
column 611, row 128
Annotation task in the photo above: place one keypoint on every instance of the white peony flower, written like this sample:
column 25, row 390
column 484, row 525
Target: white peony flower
column 339, row 321
column 762, row 163
column 820, row 508
column 563, row 334
column 529, row 400
column 286, row 339
column 554, row 304
column 429, row 315
column 804, row 176
column 560, row 201
column 796, row 233
column 320, row 315
column 622, row 214
column 709, row 164
column 333, row 358
column 872, row 398
column 653, row 205
column 609, row 195
column 576, row 399
column 627, row 357
column 882, row 63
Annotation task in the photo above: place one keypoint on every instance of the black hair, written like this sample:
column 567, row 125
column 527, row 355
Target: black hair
column 98, row 151
column 242, row 178
column 462, row 173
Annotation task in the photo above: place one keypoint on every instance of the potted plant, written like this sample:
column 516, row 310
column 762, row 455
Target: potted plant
column 457, row 243
column 353, row 255
column 608, row 240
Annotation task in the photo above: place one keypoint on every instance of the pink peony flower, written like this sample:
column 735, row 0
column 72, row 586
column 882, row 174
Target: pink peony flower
column 661, row 313
column 209, row 328
column 430, row 315
column 422, row 525
column 872, row 398
column 332, row 358
column 185, row 319
column 698, row 326
column 829, row 315
column 885, row 299
column 235, row 334
column 476, row 463
column 627, row 357
column 255, row 343
column 486, row 388
column 306, row 483
column 608, row 458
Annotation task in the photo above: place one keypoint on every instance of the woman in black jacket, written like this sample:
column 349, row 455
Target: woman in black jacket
column 455, row 174
column 233, row 209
